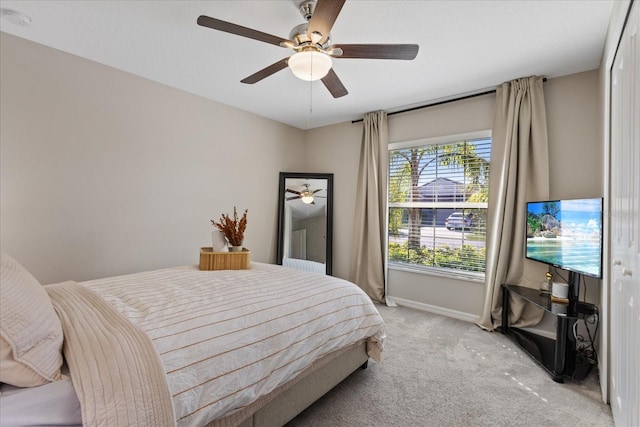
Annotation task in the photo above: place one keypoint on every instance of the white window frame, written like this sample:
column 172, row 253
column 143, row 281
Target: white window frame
column 428, row 270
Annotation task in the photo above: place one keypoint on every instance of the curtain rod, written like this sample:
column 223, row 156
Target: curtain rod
column 460, row 98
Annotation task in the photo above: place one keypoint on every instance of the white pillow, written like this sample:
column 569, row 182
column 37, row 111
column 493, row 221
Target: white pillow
column 31, row 333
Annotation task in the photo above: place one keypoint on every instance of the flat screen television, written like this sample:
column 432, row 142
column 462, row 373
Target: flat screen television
column 567, row 234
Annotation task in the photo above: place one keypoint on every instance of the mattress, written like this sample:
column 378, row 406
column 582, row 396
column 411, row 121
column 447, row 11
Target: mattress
column 53, row 404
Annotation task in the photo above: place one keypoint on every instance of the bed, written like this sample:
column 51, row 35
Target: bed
column 179, row 346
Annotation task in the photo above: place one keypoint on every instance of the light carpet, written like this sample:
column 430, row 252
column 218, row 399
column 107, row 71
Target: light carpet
column 438, row 371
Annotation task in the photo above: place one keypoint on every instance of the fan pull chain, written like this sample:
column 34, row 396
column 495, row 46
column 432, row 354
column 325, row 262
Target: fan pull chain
column 310, row 98
column 311, row 90
column 310, row 103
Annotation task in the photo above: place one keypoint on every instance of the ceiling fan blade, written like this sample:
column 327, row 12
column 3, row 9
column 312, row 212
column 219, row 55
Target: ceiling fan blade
column 293, row 191
column 324, row 16
column 334, row 85
column 292, row 198
column 377, row 51
column 318, row 190
column 266, row 72
column 239, row 30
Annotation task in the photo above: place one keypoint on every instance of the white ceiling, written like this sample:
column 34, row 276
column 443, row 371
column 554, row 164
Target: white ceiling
column 465, row 47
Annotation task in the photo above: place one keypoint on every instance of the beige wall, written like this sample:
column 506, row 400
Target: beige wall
column 575, row 149
column 336, row 149
column 575, row 136
column 106, row 173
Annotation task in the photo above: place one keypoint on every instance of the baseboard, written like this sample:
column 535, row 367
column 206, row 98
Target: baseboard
column 460, row 315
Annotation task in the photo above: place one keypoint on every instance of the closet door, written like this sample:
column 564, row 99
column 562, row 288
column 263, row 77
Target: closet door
column 625, row 227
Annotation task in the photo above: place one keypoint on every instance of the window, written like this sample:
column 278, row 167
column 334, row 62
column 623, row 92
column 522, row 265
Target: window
column 438, row 194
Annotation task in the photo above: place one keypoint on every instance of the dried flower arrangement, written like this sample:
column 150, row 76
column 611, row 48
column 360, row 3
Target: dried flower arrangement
column 233, row 228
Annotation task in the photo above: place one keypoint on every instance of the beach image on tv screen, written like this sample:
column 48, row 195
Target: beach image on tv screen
column 566, row 234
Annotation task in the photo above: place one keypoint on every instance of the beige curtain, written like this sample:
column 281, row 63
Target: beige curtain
column 368, row 257
column 519, row 173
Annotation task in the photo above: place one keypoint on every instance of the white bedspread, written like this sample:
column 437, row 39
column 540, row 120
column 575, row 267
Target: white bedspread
column 226, row 338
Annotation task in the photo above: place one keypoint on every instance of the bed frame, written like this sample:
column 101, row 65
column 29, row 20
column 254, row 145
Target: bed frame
column 284, row 404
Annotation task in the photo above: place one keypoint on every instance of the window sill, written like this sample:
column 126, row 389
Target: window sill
column 440, row 272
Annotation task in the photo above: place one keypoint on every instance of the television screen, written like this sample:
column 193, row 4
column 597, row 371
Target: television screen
column 566, row 234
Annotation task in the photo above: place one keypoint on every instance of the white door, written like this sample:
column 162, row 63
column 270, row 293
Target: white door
column 299, row 244
column 625, row 228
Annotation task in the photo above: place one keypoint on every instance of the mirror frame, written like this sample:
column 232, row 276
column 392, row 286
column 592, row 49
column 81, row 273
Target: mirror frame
column 329, row 213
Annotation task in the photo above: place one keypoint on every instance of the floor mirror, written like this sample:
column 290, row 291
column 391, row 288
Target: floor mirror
column 305, row 221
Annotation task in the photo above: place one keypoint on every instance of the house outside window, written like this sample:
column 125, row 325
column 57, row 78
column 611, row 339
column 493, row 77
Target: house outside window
column 437, row 200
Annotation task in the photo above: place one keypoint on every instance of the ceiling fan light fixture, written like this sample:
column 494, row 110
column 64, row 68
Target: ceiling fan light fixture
column 307, row 199
column 310, row 65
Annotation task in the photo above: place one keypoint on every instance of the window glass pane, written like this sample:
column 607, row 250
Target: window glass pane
column 438, row 203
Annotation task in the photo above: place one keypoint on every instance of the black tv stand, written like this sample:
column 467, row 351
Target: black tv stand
column 574, row 286
column 557, row 356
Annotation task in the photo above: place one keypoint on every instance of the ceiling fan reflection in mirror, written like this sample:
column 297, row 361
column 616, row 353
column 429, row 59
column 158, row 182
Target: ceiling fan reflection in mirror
column 306, row 195
column 310, row 41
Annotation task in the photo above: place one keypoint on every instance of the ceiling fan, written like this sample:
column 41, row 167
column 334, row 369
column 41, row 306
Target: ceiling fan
column 310, row 41
column 307, row 195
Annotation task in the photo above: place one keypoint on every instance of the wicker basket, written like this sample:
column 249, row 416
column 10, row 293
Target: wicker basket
column 210, row 260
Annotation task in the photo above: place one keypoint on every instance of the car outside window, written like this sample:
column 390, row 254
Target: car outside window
column 458, row 221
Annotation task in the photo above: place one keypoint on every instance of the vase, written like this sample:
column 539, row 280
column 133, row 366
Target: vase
column 218, row 241
column 235, row 248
